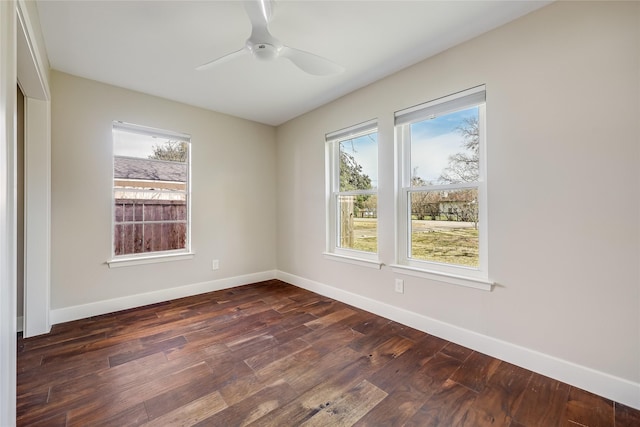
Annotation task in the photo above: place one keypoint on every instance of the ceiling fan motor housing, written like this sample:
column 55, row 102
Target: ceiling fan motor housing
column 264, row 51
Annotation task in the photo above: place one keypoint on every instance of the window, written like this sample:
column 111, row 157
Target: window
column 352, row 182
column 150, row 192
column 442, row 221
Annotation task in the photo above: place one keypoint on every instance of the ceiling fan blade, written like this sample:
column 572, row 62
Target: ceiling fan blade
column 260, row 11
column 226, row 58
column 310, row 63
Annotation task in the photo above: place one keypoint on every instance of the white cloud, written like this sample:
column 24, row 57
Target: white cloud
column 431, row 156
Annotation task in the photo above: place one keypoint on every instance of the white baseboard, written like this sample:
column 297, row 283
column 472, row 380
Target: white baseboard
column 614, row 388
column 83, row 311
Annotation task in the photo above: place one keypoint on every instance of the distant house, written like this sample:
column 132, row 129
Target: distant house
column 149, row 179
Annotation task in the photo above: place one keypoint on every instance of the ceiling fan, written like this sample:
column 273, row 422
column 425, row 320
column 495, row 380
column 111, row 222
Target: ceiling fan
column 263, row 46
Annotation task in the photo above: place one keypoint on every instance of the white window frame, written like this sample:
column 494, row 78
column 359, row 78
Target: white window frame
column 332, row 156
column 157, row 256
column 449, row 273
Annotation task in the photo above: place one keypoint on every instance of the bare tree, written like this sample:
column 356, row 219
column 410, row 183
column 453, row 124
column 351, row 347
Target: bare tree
column 464, row 166
column 175, row 151
column 424, row 203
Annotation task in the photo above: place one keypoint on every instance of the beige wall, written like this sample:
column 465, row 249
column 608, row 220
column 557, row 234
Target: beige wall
column 233, row 193
column 564, row 183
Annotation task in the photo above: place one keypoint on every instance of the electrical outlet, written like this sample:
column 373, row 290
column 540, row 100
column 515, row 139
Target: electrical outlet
column 215, row 264
column 400, row 286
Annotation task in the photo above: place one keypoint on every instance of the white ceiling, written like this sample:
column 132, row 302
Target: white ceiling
column 154, row 46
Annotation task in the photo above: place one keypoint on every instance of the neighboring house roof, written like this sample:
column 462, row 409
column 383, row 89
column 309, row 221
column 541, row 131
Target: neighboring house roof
column 148, row 169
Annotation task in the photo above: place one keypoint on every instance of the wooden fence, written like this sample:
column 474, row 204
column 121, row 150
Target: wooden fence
column 149, row 226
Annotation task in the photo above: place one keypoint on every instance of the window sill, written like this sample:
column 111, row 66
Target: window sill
column 352, row 260
column 470, row 282
column 151, row 259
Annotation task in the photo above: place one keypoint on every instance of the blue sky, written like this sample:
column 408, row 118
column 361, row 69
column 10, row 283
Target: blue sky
column 433, row 141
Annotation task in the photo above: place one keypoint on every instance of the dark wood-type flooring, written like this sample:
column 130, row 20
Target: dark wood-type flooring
column 271, row 354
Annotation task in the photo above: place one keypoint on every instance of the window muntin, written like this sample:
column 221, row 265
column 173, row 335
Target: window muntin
column 150, row 191
column 442, row 210
column 353, row 182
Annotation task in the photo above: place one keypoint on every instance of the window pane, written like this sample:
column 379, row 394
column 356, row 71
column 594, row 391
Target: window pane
column 359, row 163
column 444, row 149
column 444, row 226
column 150, row 188
column 357, row 220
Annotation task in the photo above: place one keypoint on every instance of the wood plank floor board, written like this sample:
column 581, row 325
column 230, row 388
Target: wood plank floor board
column 242, row 388
column 625, row 416
column 71, row 393
column 370, row 323
column 456, row 351
column 264, row 357
column 395, row 409
column 389, row 349
column 368, row 342
column 251, row 340
column 178, row 397
column 475, row 371
column 248, row 410
column 68, row 341
column 295, row 320
column 233, row 328
column 316, row 398
column 498, row 401
column 349, row 407
column 111, row 404
column 543, row 402
column 131, row 417
column 57, row 420
column 33, row 399
column 94, row 350
column 330, row 318
column 588, row 409
column 405, row 331
column 430, row 345
column 191, row 413
column 101, row 381
column 402, row 368
column 271, row 354
column 311, row 371
column 447, row 407
column 331, row 338
column 40, row 376
column 430, row 377
column 146, row 350
column 196, row 350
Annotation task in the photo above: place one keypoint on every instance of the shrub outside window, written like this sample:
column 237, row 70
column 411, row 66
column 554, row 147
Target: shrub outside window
column 150, row 191
column 352, row 206
column 442, row 221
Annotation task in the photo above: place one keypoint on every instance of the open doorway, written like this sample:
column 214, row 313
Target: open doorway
column 33, row 258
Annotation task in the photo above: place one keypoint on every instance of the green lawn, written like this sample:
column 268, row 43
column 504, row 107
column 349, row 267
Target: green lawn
column 450, row 244
column 366, row 234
